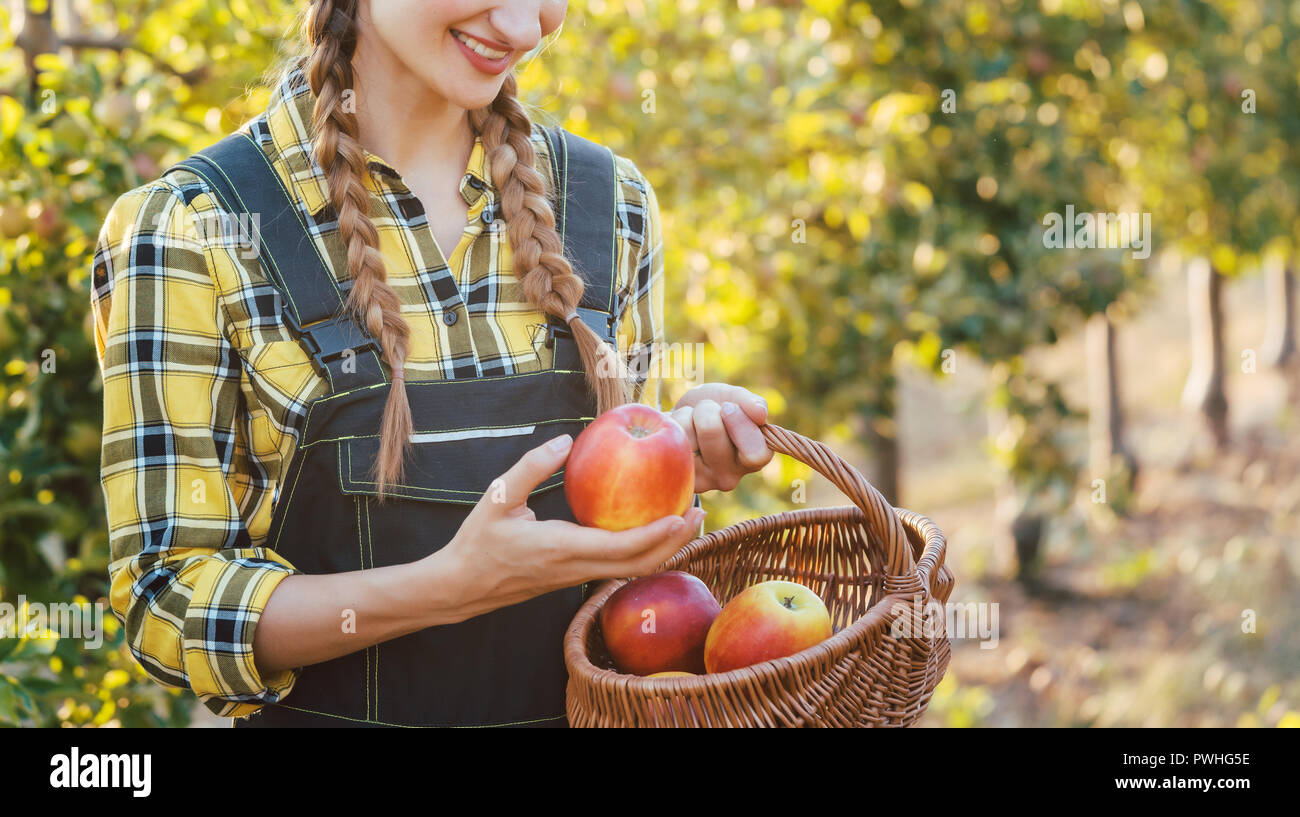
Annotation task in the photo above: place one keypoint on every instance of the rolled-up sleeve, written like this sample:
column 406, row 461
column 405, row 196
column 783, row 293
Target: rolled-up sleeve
column 186, row 581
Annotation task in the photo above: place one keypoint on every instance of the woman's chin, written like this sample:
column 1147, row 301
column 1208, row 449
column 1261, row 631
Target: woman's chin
column 470, row 89
column 472, row 100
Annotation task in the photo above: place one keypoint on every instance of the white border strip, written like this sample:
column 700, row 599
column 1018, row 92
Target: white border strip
column 448, row 436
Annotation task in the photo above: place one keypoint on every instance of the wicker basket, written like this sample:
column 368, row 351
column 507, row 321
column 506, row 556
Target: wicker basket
column 871, row 563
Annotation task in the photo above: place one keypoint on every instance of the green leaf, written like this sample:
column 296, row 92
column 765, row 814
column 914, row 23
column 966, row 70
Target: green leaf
column 8, row 704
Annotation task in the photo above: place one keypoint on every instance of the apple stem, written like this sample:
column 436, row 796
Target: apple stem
column 788, row 602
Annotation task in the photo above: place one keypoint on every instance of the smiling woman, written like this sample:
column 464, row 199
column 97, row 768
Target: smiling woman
column 436, row 307
column 482, row 55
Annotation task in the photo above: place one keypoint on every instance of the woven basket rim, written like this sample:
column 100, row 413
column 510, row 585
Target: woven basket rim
column 877, row 616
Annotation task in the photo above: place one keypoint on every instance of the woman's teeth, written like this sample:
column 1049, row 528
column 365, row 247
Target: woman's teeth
column 479, row 48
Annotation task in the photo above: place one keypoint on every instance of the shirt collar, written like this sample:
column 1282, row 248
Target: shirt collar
column 288, row 118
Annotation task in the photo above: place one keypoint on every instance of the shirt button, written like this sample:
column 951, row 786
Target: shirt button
column 487, row 215
column 450, row 318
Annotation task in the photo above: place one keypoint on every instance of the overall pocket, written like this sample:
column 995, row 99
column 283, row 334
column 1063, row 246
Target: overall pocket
column 454, row 465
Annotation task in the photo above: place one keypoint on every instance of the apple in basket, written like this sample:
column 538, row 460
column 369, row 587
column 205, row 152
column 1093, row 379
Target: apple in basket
column 631, row 466
column 671, row 674
column 657, row 624
column 770, row 620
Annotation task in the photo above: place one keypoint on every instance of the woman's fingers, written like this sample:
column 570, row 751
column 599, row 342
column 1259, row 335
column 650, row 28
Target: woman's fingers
column 753, row 405
column 726, row 436
column 715, row 444
column 646, row 554
column 682, row 415
column 751, row 448
column 580, row 544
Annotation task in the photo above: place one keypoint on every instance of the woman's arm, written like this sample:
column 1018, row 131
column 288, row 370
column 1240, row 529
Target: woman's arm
column 310, row 619
column 501, row 555
column 186, row 582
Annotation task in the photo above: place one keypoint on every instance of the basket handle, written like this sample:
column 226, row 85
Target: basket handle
column 881, row 518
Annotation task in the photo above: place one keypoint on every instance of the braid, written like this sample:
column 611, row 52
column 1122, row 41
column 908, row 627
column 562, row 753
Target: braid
column 548, row 280
column 330, row 28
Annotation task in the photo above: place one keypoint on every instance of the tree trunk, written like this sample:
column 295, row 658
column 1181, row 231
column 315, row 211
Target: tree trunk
column 1105, row 414
column 35, row 36
column 1204, row 392
column 1279, row 339
column 1018, row 529
column 881, row 440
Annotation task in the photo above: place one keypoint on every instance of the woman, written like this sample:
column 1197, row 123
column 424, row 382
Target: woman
column 326, row 543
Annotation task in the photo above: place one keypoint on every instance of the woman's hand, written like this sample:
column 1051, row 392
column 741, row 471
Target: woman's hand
column 503, row 555
column 722, row 423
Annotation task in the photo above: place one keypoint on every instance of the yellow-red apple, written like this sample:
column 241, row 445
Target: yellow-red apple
column 658, row 624
column 769, row 620
column 631, row 466
column 671, row 674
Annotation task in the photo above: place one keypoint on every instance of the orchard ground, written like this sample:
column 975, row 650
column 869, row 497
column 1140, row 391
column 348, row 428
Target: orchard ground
column 1139, row 619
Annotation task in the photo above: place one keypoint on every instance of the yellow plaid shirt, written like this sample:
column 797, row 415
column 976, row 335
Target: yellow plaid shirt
column 206, row 389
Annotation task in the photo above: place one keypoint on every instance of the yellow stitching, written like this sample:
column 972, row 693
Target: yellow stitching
column 435, row 493
column 352, row 481
column 423, row 383
column 564, row 186
column 288, row 500
column 613, row 240
column 344, row 484
column 361, row 553
column 370, row 549
column 362, row 558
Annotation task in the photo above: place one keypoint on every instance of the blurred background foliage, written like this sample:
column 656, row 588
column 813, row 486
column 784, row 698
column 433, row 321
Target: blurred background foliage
column 851, row 192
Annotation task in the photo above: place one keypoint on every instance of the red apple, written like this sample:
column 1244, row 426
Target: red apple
column 769, row 620
column 658, row 623
column 631, row 466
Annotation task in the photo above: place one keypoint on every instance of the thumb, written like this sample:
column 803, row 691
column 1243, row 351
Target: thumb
column 512, row 488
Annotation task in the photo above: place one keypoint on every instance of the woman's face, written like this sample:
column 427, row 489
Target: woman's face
column 460, row 49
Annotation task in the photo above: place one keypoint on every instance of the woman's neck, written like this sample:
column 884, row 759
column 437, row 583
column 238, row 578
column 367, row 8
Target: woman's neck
column 406, row 123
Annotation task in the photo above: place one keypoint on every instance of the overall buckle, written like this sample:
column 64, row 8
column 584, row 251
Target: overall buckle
column 600, row 322
column 331, row 339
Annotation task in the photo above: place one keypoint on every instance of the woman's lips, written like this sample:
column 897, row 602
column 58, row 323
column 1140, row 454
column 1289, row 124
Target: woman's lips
column 487, row 65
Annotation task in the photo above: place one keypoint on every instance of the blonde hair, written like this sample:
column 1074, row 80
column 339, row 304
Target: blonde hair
column 548, row 280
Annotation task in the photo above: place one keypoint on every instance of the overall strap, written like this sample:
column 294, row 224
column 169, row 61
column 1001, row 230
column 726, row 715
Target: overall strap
column 243, row 180
column 586, row 219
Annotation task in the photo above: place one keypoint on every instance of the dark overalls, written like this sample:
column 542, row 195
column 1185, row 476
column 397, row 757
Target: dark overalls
column 502, row 668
